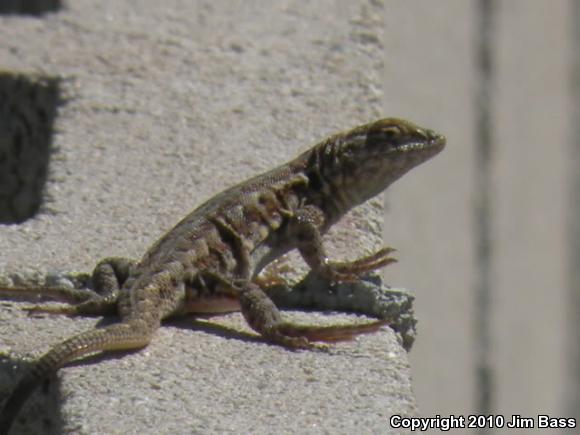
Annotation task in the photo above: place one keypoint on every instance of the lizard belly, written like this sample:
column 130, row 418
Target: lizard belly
column 214, row 304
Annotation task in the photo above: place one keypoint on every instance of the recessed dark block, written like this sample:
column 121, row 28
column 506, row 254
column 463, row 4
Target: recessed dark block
column 29, row 7
column 28, row 106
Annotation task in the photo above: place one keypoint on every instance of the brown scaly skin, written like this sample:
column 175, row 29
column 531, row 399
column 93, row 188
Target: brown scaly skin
column 210, row 260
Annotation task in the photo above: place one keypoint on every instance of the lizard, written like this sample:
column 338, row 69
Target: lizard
column 209, row 262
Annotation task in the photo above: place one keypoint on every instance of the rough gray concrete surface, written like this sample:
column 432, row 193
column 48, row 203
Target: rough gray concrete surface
column 167, row 103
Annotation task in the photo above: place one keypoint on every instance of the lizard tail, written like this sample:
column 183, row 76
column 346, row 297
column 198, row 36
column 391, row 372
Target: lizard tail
column 123, row 336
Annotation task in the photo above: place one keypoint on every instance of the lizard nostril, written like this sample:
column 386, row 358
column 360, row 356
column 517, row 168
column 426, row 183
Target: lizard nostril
column 433, row 135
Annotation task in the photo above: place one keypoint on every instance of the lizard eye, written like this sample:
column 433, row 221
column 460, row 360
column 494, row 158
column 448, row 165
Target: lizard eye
column 391, row 133
column 385, row 134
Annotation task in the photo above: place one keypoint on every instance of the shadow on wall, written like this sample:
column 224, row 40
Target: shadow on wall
column 29, row 7
column 28, row 106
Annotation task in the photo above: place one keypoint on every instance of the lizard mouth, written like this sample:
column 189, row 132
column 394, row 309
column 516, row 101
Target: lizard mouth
column 435, row 144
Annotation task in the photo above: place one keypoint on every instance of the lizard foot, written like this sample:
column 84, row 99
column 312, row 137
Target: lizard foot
column 97, row 306
column 331, row 333
column 349, row 271
column 264, row 317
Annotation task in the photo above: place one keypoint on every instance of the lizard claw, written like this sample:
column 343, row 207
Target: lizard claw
column 352, row 270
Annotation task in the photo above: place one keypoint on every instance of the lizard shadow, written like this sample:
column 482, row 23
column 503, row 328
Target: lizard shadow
column 201, row 323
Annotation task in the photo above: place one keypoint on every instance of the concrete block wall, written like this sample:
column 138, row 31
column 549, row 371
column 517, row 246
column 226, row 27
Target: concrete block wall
column 159, row 107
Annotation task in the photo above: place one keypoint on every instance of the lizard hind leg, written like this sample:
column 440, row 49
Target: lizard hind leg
column 108, row 277
column 264, row 317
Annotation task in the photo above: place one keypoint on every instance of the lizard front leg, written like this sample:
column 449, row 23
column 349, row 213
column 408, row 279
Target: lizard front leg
column 305, row 227
column 264, row 317
column 108, row 277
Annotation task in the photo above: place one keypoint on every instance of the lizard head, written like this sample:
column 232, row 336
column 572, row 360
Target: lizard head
column 396, row 144
column 364, row 161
